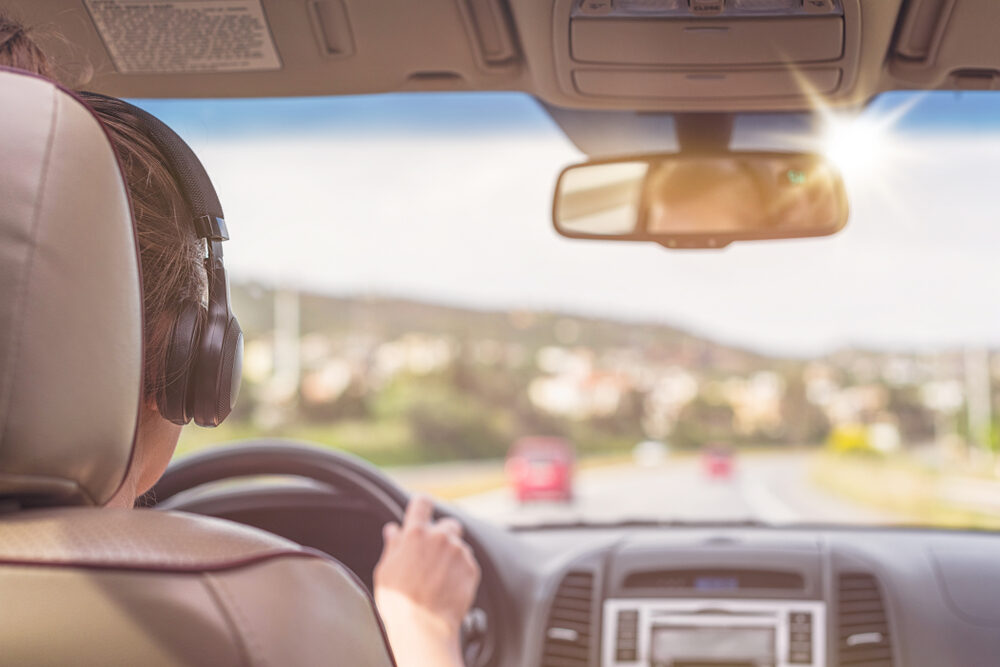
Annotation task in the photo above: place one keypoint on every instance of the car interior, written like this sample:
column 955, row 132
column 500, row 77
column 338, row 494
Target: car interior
column 655, row 83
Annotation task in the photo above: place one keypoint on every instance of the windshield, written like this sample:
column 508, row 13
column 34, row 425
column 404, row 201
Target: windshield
column 405, row 299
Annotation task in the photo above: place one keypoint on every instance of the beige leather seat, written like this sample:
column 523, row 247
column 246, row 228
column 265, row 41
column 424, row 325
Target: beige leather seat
column 81, row 585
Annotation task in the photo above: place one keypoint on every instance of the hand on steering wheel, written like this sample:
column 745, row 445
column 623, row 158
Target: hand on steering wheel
column 425, row 583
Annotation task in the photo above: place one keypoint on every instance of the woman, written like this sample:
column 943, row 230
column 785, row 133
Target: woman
column 426, row 578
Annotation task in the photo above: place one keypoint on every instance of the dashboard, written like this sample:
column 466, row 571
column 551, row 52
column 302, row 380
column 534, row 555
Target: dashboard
column 756, row 597
column 681, row 596
column 680, row 599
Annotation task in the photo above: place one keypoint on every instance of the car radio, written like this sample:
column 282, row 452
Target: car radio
column 703, row 632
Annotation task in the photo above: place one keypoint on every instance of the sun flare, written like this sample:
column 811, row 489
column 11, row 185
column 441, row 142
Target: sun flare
column 858, row 146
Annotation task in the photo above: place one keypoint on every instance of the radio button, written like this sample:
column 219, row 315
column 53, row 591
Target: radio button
column 625, row 655
column 800, row 646
column 765, row 5
column 596, row 7
column 818, row 6
column 650, row 6
column 706, row 7
column 627, row 635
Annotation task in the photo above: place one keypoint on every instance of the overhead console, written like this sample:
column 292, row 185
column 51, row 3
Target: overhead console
column 709, row 50
column 948, row 44
column 629, row 33
column 705, row 55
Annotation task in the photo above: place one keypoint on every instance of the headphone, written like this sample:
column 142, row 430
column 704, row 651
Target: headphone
column 204, row 361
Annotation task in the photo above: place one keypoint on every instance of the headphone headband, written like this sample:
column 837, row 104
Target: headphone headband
column 204, row 356
column 185, row 166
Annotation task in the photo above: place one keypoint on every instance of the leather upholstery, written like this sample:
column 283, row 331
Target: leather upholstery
column 84, row 586
column 70, row 305
column 93, row 586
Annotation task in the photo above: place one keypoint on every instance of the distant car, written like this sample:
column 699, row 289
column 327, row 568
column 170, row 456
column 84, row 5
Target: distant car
column 717, row 462
column 541, row 468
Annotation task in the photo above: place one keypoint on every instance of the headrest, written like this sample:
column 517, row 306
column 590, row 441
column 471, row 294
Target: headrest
column 70, row 301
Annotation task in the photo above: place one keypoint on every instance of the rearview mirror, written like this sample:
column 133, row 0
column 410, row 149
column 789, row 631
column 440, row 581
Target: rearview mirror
column 701, row 201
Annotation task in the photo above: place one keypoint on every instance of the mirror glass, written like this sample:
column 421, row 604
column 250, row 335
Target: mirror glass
column 718, row 198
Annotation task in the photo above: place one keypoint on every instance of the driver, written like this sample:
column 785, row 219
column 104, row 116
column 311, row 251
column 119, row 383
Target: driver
column 426, row 578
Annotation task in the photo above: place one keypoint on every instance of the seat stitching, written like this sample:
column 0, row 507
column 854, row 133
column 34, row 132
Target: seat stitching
column 352, row 577
column 213, row 590
column 241, row 623
column 119, row 562
column 6, row 392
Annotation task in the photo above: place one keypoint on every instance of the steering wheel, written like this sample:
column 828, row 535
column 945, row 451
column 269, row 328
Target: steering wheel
column 254, row 458
column 344, row 472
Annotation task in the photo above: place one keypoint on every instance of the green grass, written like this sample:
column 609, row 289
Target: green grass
column 384, row 443
column 898, row 485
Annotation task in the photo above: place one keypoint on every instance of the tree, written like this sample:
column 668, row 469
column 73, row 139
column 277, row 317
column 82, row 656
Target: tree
column 702, row 422
column 449, row 426
column 802, row 421
column 352, row 403
column 916, row 421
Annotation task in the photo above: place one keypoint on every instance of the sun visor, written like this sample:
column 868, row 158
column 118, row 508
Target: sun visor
column 163, row 37
column 948, row 44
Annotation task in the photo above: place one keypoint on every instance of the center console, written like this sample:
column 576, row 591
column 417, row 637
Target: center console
column 728, row 604
column 679, row 632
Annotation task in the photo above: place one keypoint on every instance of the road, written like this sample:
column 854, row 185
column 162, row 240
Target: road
column 773, row 488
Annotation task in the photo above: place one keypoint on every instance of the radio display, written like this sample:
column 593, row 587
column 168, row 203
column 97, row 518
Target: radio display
column 717, row 645
column 716, row 583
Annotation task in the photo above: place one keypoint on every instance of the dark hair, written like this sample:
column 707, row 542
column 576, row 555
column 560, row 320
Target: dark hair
column 170, row 254
column 18, row 49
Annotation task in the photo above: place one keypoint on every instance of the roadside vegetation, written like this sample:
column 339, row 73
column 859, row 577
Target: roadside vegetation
column 920, row 488
column 403, row 383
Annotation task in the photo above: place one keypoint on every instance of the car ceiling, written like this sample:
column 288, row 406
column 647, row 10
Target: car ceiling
column 610, row 56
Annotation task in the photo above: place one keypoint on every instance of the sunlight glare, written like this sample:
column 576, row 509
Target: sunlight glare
column 857, row 146
column 862, row 145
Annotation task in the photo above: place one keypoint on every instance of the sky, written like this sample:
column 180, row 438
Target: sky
column 446, row 197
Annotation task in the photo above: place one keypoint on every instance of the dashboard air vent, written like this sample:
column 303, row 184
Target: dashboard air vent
column 568, row 631
column 863, row 638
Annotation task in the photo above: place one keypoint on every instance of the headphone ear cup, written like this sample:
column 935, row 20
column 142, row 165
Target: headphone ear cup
column 175, row 398
column 216, row 382
column 230, row 372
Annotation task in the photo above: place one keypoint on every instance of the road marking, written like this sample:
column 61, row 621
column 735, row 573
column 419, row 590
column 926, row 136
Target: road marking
column 764, row 504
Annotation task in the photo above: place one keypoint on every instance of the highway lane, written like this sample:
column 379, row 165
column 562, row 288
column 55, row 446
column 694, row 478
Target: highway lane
column 773, row 488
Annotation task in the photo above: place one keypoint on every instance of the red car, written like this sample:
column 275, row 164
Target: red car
column 717, row 462
column 541, row 468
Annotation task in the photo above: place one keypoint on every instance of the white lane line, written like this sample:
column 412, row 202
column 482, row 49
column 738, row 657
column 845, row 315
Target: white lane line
column 764, row 504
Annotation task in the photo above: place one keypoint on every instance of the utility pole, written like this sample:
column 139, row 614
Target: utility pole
column 279, row 391
column 287, row 365
column 977, row 396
